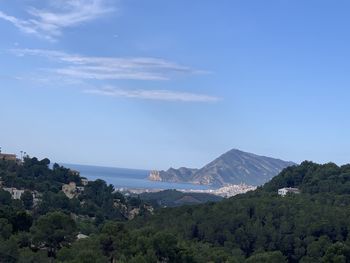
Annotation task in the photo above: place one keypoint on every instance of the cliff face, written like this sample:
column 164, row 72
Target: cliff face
column 233, row 167
column 155, row 176
column 173, row 175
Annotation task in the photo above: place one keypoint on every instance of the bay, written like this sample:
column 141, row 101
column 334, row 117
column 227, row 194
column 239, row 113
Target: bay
column 127, row 178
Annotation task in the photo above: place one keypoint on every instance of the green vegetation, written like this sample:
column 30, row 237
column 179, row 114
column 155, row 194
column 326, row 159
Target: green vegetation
column 314, row 179
column 172, row 198
column 259, row 226
column 36, row 229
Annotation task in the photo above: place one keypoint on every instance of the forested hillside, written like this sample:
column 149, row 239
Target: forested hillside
column 43, row 220
column 172, row 198
column 313, row 178
column 259, row 226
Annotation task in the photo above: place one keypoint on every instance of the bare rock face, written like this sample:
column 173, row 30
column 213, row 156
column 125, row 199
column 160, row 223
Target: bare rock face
column 233, row 167
column 155, row 176
column 172, row 175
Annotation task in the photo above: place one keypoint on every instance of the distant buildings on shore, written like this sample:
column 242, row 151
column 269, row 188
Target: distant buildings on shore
column 226, row 191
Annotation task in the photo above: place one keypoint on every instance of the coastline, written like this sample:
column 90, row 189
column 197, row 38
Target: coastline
column 225, row 191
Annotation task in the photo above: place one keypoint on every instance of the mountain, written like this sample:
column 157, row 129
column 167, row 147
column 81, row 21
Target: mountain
column 233, row 167
column 236, row 167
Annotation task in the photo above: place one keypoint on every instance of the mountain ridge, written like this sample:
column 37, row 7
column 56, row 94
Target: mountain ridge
column 233, row 167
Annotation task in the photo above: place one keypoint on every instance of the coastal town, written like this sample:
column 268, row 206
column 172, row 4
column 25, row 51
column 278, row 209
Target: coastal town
column 225, row 191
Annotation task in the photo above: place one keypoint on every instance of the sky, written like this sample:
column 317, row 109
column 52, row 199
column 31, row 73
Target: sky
column 156, row 84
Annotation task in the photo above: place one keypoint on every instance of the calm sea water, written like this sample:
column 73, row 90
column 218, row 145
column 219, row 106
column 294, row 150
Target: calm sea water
column 129, row 178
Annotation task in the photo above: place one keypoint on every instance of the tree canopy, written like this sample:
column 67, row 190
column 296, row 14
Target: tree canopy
column 258, row 226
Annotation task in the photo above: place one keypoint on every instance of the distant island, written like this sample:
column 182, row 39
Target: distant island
column 232, row 168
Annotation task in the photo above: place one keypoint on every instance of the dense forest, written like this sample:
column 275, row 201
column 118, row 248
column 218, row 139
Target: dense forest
column 173, row 198
column 259, row 226
column 44, row 220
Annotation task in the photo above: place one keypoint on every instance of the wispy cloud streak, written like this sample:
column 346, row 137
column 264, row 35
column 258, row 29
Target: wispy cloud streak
column 49, row 23
column 162, row 95
column 104, row 68
column 74, row 67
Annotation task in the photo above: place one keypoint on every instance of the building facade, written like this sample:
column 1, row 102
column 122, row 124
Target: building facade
column 8, row 157
column 15, row 193
column 70, row 189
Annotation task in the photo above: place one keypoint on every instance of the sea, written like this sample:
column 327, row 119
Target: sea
column 127, row 178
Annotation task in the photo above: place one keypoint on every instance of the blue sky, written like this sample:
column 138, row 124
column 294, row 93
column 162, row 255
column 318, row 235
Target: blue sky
column 153, row 84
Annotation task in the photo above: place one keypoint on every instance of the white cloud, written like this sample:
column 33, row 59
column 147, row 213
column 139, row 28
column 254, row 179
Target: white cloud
column 78, row 70
column 49, row 23
column 107, row 68
column 163, row 95
column 24, row 26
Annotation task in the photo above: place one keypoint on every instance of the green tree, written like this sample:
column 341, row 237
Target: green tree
column 8, row 251
column 5, row 228
column 21, row 221
column 5, row 197
column 318, row 248
column 27, row 199
column 337, row 253
column 28, row 256
column 82, row 251
column 54, row 230
column 267, row 257
column 165, row 246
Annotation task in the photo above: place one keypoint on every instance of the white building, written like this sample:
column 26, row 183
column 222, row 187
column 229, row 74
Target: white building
column 15, row 193
column 284, row 191
column 81, row 236
column 84, row 181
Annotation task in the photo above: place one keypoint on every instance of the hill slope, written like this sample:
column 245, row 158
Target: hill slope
column 262, row 226
column 259, row 226
column 171, row 198
column 313, row 178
